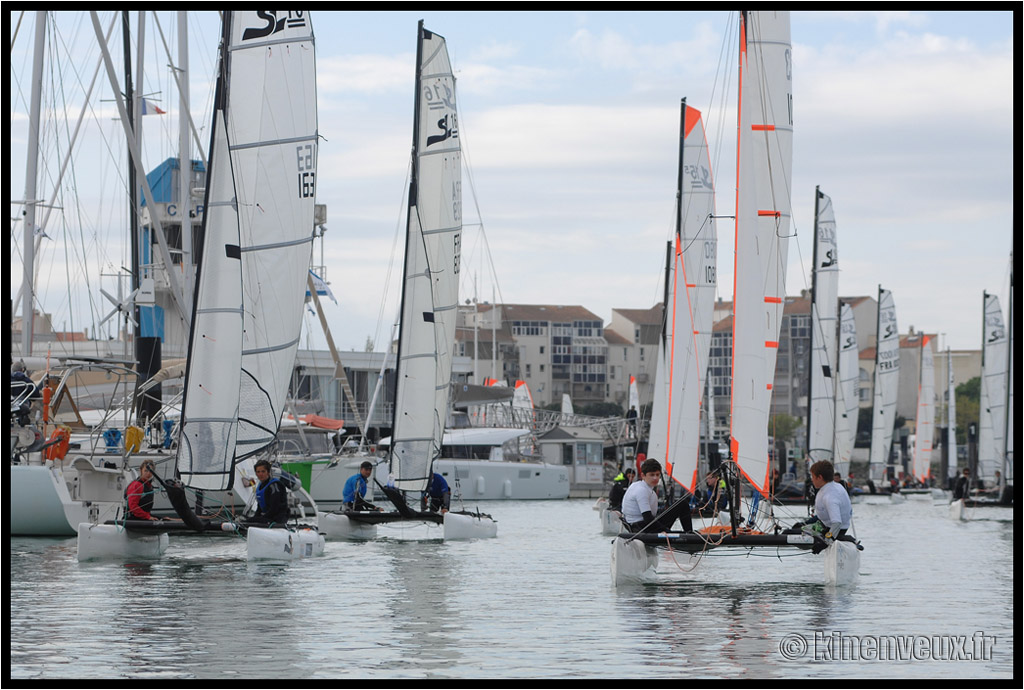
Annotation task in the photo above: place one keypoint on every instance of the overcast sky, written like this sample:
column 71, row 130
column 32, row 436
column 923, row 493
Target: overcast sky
column 569, row 123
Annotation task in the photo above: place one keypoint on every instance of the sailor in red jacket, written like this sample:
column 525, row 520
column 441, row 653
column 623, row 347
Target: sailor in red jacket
column 140, row 494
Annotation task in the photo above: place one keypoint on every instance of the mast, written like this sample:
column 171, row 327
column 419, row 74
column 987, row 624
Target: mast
column 31, row 176
column 811, row 349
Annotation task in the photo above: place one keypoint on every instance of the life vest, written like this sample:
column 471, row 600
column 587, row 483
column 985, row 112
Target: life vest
column 260, row 494
column 145, row 500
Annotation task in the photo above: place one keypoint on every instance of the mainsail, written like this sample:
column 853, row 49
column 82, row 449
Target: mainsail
column 764, row 172
column 689, row 308
column 430, row 291
column 258, row 231
column 925, row 427
column 847, row 400
column 992, row 405
column 822, row 410
column 887, row 381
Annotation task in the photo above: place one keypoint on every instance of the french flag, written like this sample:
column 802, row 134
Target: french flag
column 149, row 108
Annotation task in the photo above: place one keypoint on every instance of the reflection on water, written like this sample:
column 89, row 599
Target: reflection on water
column 535, row 602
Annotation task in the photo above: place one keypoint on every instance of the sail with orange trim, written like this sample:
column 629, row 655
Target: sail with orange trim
column 925, row 429
column 690, row 282
column 763, row 181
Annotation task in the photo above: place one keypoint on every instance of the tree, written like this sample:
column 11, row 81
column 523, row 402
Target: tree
column 968, row 406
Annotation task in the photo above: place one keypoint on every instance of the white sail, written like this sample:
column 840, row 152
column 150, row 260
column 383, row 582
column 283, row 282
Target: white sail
column 634, row 394
column 521, row 398
column 566, row 404
column 258, row 227
column 886, row 382
column 1008, row 460
column 682, row 374
column 765, row 154
column 992, row 405
column 431, row 285
column 925, row 427
column 847, row 401
column 822, row 412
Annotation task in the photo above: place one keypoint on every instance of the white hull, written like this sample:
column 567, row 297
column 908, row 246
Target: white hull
column 611, row 520
column 99, row 542
column 956, row 510
column 470, row 480
column 51, row 500
column 282, row 544
column 633, row 562
column 842, row 563
column 337, row 527
column 457, row 526
column 897, row 498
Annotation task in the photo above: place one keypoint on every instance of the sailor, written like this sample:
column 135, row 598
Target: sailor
column 640, row 504
column 961, row 488
column 619, row 486
column 831, row 502
column 439, row 495
column 271, row 497
column 353, row 495
column 139, row 494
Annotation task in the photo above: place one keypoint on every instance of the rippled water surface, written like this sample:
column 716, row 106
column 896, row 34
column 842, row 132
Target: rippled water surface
column 535, row 602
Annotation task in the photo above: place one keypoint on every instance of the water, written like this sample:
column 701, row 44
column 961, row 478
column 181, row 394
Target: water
column 535, row 602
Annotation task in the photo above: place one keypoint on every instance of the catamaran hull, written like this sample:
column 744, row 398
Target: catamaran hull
column 336, row 527
column 956, row 509
column 282, row 544
column 611, row 522
column 459, row 526
column 842, row 563
column 101, row 542
column 633, row 562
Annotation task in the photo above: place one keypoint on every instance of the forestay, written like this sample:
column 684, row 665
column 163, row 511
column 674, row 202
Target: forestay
column 690, row 296
column 430, row 290
column 764, row 160
column 258, row 227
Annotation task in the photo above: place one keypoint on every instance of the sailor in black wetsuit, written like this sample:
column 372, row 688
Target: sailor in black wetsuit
column 271, row 498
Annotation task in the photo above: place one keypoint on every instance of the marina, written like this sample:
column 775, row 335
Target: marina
column 781, row 469
column 517, row 607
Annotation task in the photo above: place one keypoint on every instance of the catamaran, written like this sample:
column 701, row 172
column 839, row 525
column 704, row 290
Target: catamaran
column 247, row 309
column 763, row 213
column 426, row 338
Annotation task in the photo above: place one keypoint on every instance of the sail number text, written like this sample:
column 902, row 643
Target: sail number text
column 306, row 160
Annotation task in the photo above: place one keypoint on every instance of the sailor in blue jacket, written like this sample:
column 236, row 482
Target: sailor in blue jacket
column 439, row 493
column 353, row 495
column 271, row 497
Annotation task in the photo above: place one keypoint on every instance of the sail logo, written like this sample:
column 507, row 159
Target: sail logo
column 440, row 98
column 830, row 259
column 274, row 24
column 700, row 177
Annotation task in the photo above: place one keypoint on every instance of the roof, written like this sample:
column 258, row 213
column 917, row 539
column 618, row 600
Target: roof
column 570, row 433
column 553, row 313
column 644, row 316
column 614, row 338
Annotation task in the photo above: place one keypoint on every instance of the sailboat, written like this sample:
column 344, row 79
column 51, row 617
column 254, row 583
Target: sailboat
column 762, row 228
column 995, row 436
column 847, row 401
column 925, row 424
column 886, row 387
column 258, row 233
column 426, row 337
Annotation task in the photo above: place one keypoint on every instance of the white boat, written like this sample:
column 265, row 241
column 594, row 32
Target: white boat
column 763, row 214
column 426, row 337
column 257, row 227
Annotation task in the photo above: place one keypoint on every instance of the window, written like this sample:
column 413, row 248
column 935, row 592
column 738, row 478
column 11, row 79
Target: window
column 542, row 349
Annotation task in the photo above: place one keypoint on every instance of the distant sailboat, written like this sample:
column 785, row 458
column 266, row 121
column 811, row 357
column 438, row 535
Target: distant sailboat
column 822, row 411
column 847, row 400
column 886, row 386
column 925, row 426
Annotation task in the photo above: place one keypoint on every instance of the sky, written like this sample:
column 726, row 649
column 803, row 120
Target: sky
column 569, row 125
